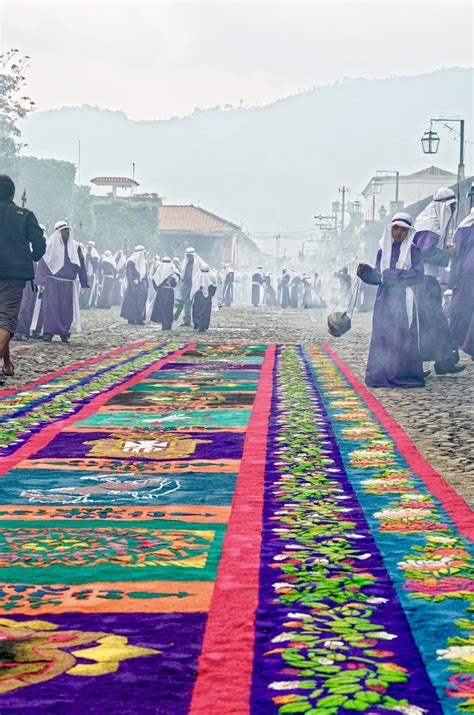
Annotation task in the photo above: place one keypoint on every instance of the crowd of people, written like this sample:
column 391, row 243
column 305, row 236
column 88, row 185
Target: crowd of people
column 45, row 282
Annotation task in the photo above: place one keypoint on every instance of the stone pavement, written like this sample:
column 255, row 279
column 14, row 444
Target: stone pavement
column 438, row 418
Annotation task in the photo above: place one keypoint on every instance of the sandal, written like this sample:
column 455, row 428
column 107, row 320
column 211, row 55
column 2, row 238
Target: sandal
column 8, row 373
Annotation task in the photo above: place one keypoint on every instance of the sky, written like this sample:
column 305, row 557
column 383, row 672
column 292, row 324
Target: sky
column 155, row 60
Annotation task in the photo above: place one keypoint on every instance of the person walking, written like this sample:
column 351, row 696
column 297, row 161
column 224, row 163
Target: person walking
column 60, row 272
column 431, row 237
column 394, row 355
column 21, row 243
column 135, row 297
column 202, row 291
column 165, row 279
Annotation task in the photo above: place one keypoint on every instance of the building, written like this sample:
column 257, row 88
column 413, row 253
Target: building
column 217, row 240
column 114, row 183
column 381, row 190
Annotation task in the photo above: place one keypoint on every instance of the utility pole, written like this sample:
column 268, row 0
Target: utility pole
column 277, row 248
column 343, row 192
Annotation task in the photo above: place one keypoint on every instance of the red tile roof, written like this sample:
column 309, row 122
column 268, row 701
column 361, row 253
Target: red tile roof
column 193, row 218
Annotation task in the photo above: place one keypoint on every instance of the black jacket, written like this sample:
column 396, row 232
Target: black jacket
column 21, row 242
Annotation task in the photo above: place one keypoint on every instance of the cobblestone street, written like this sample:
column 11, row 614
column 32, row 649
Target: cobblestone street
column 438, row 418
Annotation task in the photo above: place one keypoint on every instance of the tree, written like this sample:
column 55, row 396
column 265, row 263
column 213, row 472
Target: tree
column 125, row 223
column 83, row 216
column 49, row 187
column 13, row 106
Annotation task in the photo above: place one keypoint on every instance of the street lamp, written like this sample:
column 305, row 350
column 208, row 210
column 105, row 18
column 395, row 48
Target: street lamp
column 430, row 140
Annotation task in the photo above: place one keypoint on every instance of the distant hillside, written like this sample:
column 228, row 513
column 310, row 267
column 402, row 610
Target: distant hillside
column 267, row 167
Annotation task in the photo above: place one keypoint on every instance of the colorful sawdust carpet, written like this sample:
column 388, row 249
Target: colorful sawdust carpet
column 226, row 529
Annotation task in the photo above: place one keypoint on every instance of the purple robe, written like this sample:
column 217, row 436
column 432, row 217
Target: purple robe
column 88, row 297
column 107, row 280
column 435, row 336
column 294, row 293
column 228, row 291
column 257, row 283
column 25, row 315
column 134, row 300
column 58, row 296
column 462, row 303
column 285, row 291
column 202, row 306
column 163, row 305
column 394, row 357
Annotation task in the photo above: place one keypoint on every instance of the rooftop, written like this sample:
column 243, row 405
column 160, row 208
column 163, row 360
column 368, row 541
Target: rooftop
column 195, row 219
column 428, row 173
column 120, row 181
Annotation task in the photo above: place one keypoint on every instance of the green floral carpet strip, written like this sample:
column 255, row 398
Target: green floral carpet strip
column 226, row 529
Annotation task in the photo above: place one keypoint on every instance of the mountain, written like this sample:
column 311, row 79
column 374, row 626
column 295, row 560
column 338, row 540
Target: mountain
column 270, row 167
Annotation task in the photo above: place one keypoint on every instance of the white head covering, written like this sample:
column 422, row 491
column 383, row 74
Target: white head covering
column 54, row 255
column 107, row 257
column 404, row 260
column 94, row 252
column 138, row 258
column 197, row 263
column 164, row 269
column 468, row 221
column 120, row 261
column 437, row 215
column 203, row 279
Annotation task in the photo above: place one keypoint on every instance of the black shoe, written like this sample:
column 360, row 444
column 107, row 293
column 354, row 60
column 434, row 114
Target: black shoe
column 455, row 356
column 64, row 338
column 36, row 335
column 47, row 337
column 447, row 367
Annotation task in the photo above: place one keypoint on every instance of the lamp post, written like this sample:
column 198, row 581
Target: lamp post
column 381, row 172
column 375, row 188
column 430, row 140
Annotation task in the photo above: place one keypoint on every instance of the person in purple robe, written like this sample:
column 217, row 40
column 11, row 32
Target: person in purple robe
column 88, row 297
column 307, row 291
column 136, row 293
column 462, row 278
column 106, row 280
column 295, row 286
column 190, row 269
column 284, row 288
column 120, row 260
column 270, row 295
column 202, row 292
column 228, row 287
column 165, row 279
column 258, row 281
column 60, row 272
column 431, row 237
column 394, row 356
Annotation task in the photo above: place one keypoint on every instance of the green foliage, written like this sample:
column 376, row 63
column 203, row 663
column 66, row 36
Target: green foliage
column 13, row 106
column 49, row 187
column 124, row 223
column 83, row 216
